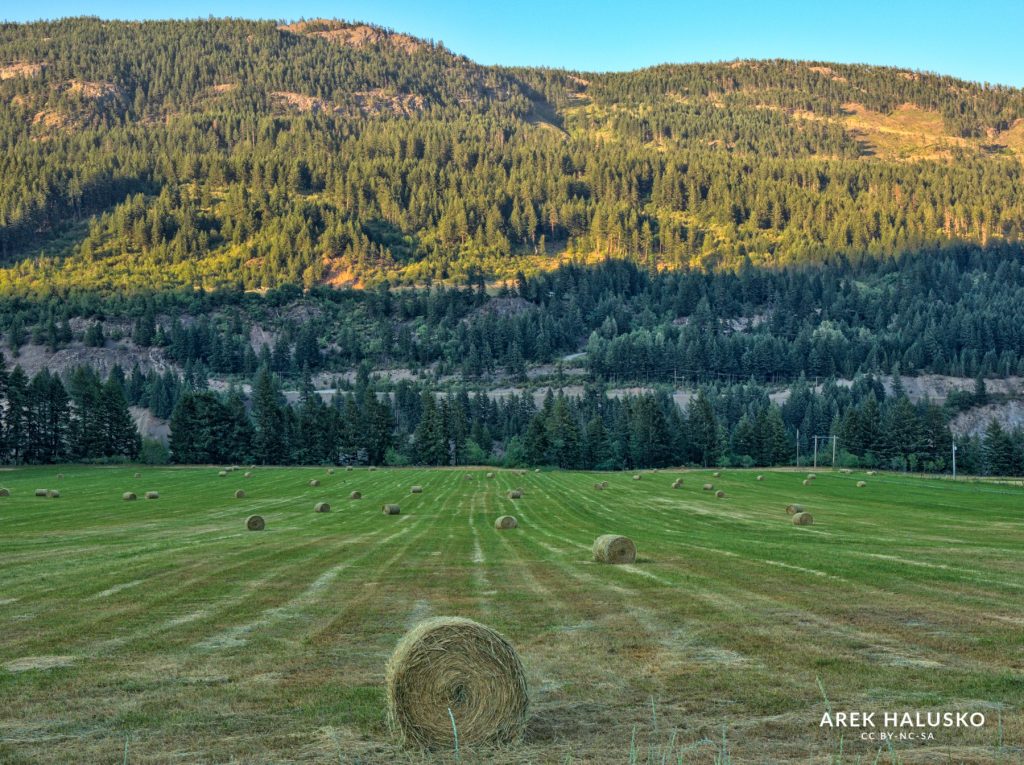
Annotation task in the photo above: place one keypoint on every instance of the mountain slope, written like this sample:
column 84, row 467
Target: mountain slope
column 228, row 153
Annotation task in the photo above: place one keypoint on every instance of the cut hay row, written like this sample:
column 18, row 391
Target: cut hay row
column 453, row 668
column 612, row 548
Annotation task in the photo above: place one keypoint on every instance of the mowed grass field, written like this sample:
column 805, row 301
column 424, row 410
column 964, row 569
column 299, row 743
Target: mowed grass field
column 161, row 631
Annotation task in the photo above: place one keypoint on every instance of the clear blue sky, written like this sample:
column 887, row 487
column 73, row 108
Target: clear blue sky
column 981, row 43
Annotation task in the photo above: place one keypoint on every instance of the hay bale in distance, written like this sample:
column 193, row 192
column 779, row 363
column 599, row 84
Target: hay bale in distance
column 53, row 494
column 720, row 494
column 604, row 484
column 222, row 473
column 506, row 522
column 612, row 548
column 811, row 476
column 708, row 487
column 128, row 496
column 468, row 477
column 677, row 484
column 515, row 494
column 40, row 492
column 808, row 482
column 321, row 507
column 391, row 509
column 861, row 484
column 239, row 494
column 255, row 523
column 871, row 472
column 349, row 469
column 330, row 471
column 314, row 482
column 4, row 492
column 60, row 476
column 152, row 495
column 794, row 509
column 138, row 475
column 490, row 475
column 416, row 490
column 760, row 478
column 636, row 477
column 802, row 519
column 449, row 667
column 355, row 495
column 599, row 486
column 247, row 474
column 372, row 468
column 716, row 475
column 845, row 471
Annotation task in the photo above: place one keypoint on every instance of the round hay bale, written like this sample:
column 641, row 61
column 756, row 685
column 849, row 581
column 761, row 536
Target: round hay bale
column 811, row 476
column 604, row 484
column 708, row 487
column 506, row 522
column 845, row 471
column 794, row 509
column 716, row 475
column 255, row 523
column 247, row 474
column 321, row 507
column 239, row 494
column 416, row 490
column 138, row 475
column 4, row 492
column 636, row 477
column 677, row 484
column 611, row 548
column 861, row 484
column 314, row 482
column 372, row 468
column 807, row 482
column 802, row 519
column 536, row 470
column 515, row 494
column 871, row 472
column 468, row 477
column 760, row 478
column 152, row 495
column 355, row 495
column 60, row 476
column 40, row 492
column 222, row 473
column 330, row 471
column 53, row 494
column 128, row 496
column 450, row 667
column 720, row 494
column 349, row 469
column 599, row 486
column 490, row 475
column 391, row 509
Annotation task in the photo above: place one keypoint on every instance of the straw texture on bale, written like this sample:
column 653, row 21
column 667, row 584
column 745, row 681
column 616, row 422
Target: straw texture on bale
column 321, row 507
column 128, row 496
column 794, row 509
column 802, row 519
column 709, row 487
column 355, row 495
column 53, row 493
column 612, row 548
column 255, row 523
column 391, row 509
column 720, row 494
column 515, row 494
column 40, row 492
column 5, row 492
column 239, row 494
column 152, row 495
column 861, row 484
column 416, row 490
column 314, row 482
column 506, row 522
column 450, row 667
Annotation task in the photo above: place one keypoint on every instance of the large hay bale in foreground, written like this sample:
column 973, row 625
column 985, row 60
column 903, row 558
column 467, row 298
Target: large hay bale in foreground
column 802, row 519
column 40, row 492
column 391, row 509
column 708, row 487
column 255, row 523
column 53, row 494
column 515, row 494
column 321, row 507
column 720, row 494
column 861, row 484
column 152, row 495
column 355, row 495
column 612, row 548
column 314, row 482
column 416, row 490
column 450, row 667
column 128, row 496
column 506, row 522
column 794, row 509
column 239, row 494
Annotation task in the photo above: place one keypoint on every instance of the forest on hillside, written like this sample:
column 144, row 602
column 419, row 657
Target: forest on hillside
column 240, row 154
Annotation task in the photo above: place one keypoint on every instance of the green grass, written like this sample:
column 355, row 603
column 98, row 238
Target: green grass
column 162, row 628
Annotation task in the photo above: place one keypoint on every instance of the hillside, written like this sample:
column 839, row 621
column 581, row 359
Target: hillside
column 240, row 154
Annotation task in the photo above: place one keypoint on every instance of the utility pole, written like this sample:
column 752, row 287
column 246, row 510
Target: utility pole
column 834, row 439
column 815, row 452
column 954, row 460
column 798, row 447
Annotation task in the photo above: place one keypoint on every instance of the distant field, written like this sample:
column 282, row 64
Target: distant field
column 162, row 631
